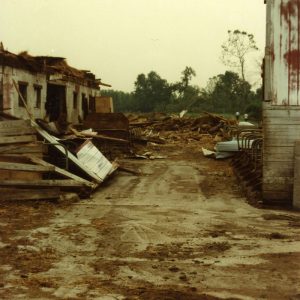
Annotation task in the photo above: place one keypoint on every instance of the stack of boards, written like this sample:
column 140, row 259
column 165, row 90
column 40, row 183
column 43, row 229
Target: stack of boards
column 24, row 174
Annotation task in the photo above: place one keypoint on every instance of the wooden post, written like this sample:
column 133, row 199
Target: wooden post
column 296, row 195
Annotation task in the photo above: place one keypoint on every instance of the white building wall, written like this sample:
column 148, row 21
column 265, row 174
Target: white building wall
column 283, row 52
column 281, row 109
column 11, row 97
column 72, row 87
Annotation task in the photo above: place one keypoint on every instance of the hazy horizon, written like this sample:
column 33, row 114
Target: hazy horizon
column 119, row 39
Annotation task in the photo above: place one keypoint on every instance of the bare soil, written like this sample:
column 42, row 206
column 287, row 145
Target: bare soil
column 181, row 230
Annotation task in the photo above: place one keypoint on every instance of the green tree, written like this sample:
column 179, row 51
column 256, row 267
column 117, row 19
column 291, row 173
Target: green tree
column 236, row 48
column 152, row 93
column 254, row 108
column 228, row 93
column 186, row 76
column 184, row 94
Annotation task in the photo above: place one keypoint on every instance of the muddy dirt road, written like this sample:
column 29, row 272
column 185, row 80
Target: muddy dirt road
column 182, row 230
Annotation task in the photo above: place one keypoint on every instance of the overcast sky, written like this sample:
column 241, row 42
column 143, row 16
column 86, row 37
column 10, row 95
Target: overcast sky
column 119, row 39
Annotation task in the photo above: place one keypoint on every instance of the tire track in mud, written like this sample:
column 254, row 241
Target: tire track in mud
column 160, row 236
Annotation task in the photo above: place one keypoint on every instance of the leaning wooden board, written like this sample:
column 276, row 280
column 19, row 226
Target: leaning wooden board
column 73, row 158
column 11, row 172
column 25, row 167
column 36, row 148
column 11, row 125
column 17, row 139
column 60, row 171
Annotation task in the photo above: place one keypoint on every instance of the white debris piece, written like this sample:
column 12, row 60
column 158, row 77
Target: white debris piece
column 182, row 113
column 208, row 153
column 94, row 160
column 228, row 146
column 245, row 124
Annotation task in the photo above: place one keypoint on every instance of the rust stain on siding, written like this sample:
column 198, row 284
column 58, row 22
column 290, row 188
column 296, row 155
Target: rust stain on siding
column 293, row 60
column 289, row 9
column 290, row 13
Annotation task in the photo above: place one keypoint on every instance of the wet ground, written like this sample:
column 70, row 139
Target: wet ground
column 182, row 230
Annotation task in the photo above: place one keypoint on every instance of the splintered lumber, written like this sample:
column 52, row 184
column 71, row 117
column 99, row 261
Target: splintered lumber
column 9, row 172
column 24, row 148
column 14, row 158
column 71, row 156
column 111, row 139
column 98, row 136
column 29, row 194
column 216, row 117
column 17, row 139
column 6, row 126
column 20, row 175
column 17, row 127
column 43, row 183
column 25, row 167
column 60, row 171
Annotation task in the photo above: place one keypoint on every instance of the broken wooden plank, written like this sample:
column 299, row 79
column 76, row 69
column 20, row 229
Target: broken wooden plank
column 17, row 139
column 98, row 136
column 20, row 175
column 13, row 124
column 24, row 148
column 25, row 167
column 14, row 158
column 72, row 157
column 17, row 174
column 17, row 131
column 43, row 183
column 29, row 194
column 60, row 171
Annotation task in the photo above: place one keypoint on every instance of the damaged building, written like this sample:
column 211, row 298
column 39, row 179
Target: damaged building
column 51, row 88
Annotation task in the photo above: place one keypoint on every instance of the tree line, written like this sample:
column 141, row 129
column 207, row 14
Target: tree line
column 225, row 93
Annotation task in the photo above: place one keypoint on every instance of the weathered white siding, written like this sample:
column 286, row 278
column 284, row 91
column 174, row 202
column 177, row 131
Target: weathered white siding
column 281, row 110
column 72, row 112
column 10, row 95
column 281, row 129
column 283, row 52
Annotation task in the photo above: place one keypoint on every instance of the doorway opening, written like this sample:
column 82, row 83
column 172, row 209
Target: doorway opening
column 56, row 108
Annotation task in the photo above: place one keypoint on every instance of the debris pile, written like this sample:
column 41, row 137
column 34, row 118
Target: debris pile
column 110, row 132
column 159, row 127
column 27, row 174
column 40, row 160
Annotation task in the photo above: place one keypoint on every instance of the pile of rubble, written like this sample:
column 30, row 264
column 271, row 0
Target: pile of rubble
column 40, row 160
column 158, row 127
column 30, row 164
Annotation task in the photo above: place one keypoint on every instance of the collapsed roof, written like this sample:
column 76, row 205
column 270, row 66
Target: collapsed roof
column 48, row 65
